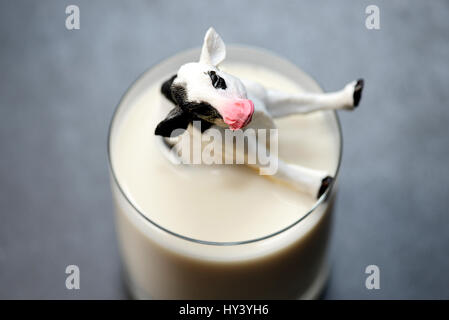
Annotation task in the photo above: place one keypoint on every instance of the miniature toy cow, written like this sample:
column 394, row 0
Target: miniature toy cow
column 202, row 92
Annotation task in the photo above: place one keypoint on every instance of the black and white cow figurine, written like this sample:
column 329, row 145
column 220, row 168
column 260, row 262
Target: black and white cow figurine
column 200, row 91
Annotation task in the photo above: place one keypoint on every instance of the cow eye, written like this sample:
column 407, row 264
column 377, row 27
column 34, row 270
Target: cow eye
column 217, row 81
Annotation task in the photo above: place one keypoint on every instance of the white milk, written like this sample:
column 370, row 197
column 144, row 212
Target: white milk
column 221, row 203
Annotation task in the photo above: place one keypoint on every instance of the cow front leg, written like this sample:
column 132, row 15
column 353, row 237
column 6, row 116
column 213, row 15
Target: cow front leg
column 281, row 104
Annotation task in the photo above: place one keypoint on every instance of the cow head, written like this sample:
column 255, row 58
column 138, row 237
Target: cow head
column 200, row 91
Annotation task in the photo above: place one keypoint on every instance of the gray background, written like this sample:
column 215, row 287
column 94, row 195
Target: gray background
column 58, row 89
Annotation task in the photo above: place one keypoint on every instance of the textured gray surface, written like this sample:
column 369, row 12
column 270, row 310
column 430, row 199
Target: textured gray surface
column 58, row 90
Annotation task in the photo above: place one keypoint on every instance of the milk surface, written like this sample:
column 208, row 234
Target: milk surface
column 220, row 203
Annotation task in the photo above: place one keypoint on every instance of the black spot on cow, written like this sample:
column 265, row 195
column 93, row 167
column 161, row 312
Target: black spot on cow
column 217, row 81
column 184, row 112
column 325, row 184
column 166, row 88
column 358, row 92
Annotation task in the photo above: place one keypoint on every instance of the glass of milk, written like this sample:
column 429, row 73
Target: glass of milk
column 222, row 231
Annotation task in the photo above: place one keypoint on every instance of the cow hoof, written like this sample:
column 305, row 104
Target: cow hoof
column 358, row 92
column 325, row 183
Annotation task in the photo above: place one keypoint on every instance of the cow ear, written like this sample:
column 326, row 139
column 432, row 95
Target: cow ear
column 214, row 49
column 176, row 119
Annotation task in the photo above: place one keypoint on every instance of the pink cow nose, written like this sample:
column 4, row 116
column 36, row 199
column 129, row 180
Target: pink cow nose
column 238, row 113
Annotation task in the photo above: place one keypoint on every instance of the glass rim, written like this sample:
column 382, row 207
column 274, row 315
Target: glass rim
column 230, row 47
